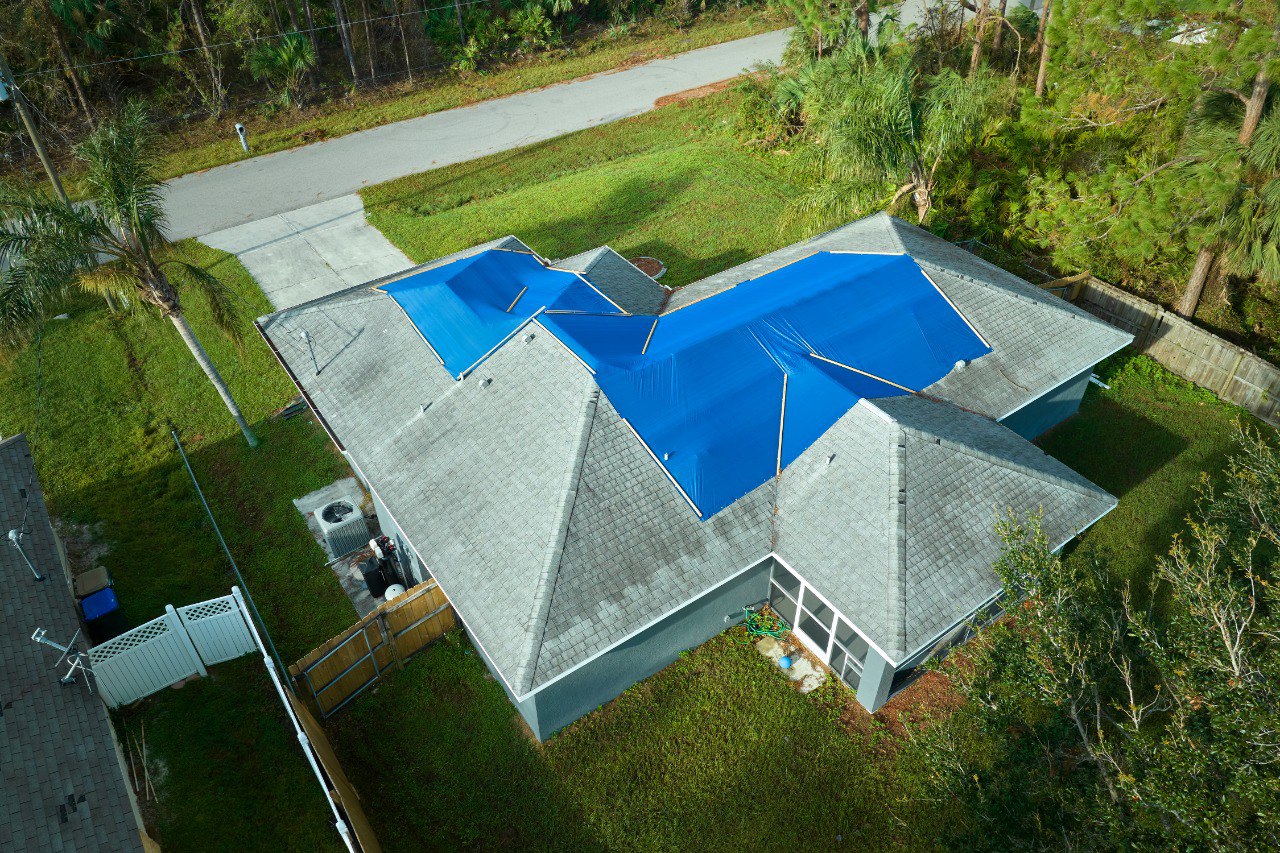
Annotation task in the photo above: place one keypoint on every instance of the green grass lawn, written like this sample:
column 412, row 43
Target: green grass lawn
column 716, row 752
column 1147, row 441
column 671, row 184
column 113, row 388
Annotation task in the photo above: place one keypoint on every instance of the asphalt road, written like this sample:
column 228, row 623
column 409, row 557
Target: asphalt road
column 260, row 187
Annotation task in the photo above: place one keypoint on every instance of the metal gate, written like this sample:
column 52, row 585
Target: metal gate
column 338, row 671
column 168, row 649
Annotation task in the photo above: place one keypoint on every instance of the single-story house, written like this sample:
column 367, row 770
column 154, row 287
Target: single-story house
column 601, row 472
column 61, row 771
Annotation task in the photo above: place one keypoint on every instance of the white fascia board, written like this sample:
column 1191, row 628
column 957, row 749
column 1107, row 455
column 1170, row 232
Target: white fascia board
column 1049, row 391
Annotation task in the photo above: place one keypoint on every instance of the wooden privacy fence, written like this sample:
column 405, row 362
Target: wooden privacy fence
column 336, row 672
column 177, row 645
column 340, row 788
column 1234, row 374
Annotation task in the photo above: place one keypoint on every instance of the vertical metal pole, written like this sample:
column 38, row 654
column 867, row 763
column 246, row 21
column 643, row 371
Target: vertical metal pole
column 6, row 76
column 227, row 551
column 462, row 33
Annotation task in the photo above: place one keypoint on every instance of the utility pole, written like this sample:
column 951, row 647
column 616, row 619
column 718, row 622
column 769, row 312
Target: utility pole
column 7, row 82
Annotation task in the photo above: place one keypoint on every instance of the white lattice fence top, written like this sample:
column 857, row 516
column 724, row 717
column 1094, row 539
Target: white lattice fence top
column 129, row 640
column 208, row 609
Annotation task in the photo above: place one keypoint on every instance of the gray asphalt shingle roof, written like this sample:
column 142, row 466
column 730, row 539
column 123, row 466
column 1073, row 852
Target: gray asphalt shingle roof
column 908, row 490
column 617, row 278
column 63, row 787
column 556, row 534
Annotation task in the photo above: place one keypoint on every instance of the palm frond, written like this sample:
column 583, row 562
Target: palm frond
column 224, row 309
column 121, row 160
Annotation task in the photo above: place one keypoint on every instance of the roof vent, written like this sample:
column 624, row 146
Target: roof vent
column 528, row 337
column 486, row 382
column 831, row 457
column 666, row 456
column 961, row 364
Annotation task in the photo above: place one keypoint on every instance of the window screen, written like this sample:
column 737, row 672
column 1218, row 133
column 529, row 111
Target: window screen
column 820, row 611
column 786, row 580
column 814, row 630
column 782, row 605
column 852, row 675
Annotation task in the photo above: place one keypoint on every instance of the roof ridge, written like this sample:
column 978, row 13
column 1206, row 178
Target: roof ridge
column 897, row 555
column 893, row 223
column 1010, row 463
column 1070, row 308
column 545, row 592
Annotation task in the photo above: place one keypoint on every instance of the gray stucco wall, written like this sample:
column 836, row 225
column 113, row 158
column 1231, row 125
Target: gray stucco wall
column 1051, row 409
column 604, row 678
column 408, row 560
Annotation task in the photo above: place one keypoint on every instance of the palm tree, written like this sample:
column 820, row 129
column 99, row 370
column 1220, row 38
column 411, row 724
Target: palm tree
column 283, row 65
column 1234, row 149
column 48, row 247
column 880, row 137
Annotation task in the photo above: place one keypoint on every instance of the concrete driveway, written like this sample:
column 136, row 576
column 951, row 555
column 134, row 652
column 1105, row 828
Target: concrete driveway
column 254, row 189
column 311, row 252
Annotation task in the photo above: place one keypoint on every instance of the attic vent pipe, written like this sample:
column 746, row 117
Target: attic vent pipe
column 15, row 538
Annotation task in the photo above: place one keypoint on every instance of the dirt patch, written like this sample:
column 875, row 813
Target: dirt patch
column 84, row 545
column 694, row 94
column 651, row 267
column 931, row 696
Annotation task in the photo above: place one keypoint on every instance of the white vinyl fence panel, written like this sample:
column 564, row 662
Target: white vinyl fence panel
column 166, row 650
column 144, row 660
column 217, row 629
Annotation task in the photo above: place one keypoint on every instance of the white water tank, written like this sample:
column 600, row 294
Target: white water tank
column 343, row 526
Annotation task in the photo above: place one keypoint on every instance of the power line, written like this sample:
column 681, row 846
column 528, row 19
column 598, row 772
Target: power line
column 252, row 39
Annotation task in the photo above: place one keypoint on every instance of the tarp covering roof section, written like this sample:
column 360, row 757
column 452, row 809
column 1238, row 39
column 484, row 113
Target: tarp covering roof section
column 729, row 391
column 466, row 308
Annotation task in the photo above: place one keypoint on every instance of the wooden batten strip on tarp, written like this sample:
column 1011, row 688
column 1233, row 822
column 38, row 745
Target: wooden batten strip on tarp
column 864, row 373
column 517, row 299
column 782, row 422
column 655, row 458
column 649, row 337
column 954, row 307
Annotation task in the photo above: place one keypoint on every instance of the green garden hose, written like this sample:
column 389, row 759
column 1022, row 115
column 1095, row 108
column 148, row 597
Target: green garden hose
column 761, row 623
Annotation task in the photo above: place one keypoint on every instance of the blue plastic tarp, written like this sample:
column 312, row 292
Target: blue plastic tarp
column 466, row 308
column 706, row 395
column 730, row 390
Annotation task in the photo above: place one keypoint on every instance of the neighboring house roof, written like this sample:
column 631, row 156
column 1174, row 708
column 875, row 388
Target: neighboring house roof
column 619, row 279
column 557, row 532
column 63, row 785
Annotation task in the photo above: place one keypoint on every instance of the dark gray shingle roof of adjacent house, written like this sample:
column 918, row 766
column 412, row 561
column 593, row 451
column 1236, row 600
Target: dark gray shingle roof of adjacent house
column 618, row 279
column 61, row 781
column 556, row 534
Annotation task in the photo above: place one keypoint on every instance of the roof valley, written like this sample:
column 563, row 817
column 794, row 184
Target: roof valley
column 544, row 594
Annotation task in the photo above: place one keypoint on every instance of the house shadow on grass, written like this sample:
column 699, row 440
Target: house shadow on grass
column 1112, row 445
